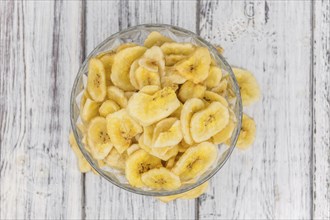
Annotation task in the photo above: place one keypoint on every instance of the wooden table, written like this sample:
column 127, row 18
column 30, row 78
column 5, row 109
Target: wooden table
column 285, row 175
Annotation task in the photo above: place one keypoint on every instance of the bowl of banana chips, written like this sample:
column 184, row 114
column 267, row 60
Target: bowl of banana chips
column 155, row 110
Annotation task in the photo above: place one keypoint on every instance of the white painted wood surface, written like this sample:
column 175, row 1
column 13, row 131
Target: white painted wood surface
column 273, row 177
column 40, row 52
column 321, row 110
column 104, row 200
column 284, row 176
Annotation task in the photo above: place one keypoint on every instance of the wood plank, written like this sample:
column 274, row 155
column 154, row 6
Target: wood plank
column 272, row 179
column 321, row 94
column 103, row 200
column 39, row 57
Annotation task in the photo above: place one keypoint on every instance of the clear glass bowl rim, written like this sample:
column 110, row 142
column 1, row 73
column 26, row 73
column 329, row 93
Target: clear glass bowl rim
column 138, row 190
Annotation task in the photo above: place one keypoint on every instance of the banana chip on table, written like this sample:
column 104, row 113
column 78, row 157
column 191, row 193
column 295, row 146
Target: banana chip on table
column 82, row 162
column 219, row 49
column 191, row 194
column 248, row 85
column 156, row 112
column 247, row 134
column 84, row 141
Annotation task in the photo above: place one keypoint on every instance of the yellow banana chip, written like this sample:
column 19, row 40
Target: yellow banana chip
column 155, row 113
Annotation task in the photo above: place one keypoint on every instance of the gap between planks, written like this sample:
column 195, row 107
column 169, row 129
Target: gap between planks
column 198, row 14
column 311, row 104
column 82, row 58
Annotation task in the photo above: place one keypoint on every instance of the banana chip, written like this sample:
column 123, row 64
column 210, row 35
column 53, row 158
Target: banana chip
column 189, row 108
column 191, row 90
column 161, row 178
column 167, row 133
column 196, row 67
column 83, row 164
column 156, row 39
column 191, row 194
column 156, row 113
column 148, row 109
column 214, row 77
column 121, row 66
column 249, row 88
column 195, row 161
column 108, row 107
column 98, row 139
column 116, row 160
column 139, row 163
column 122, row 128
column 90, row 110
column 174, row 48
column 96, row 83
column 247, row 135
column 209, row 121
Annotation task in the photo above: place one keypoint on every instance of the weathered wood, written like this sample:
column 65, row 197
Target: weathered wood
column 273, row 179
column 39, row 57
column 285, row 44
column 104, row 200
column 321, row 110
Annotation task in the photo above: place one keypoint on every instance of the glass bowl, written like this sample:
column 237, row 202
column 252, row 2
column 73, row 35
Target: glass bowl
column 138, row 34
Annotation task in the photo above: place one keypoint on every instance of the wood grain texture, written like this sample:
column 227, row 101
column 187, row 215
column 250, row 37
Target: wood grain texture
column 321, row 95
column 39, row 56
column 285, row 175
column 104, row 200
column 272, row 180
